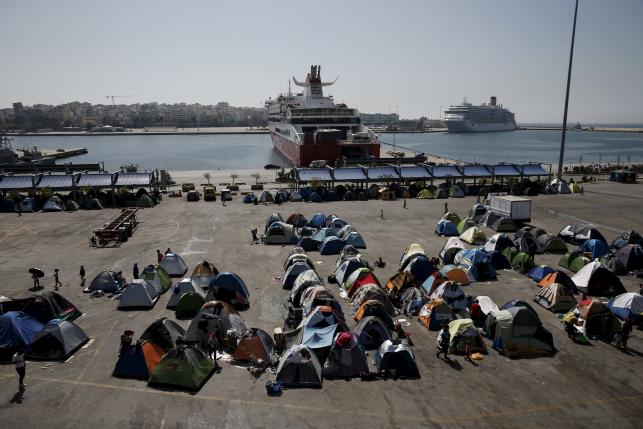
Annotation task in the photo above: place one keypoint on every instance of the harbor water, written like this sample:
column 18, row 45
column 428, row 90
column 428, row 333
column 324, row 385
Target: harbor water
column 211, row 152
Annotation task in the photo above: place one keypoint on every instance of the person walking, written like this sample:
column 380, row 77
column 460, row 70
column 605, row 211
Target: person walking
column 446, row 207
column 159, row 256
column 82, row 275
column 19, row 209
column 381, row 214
column 626, row 330
column 135, row 271
column 18, row 360
column 57, row 283
column 582, row 190
column 404, row 206
column 213, row 347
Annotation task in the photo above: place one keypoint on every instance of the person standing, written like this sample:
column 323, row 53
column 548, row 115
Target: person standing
column 381, row 214
column 135, row 272
column 446, row 207
column 82, row 275
column 57, row 283
column 444, row 338
column 582, row 190
column 404, row 206
column 18, row 360
column 159, row 256
column 36, row 282
column 19, row 209
column 126, row 341
column 626, row 330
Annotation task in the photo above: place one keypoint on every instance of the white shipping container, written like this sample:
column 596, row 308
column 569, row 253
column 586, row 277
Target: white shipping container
column 515, row 208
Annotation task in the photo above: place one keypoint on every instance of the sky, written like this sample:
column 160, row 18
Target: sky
column 413, row 57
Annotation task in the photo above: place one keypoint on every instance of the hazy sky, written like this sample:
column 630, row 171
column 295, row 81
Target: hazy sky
column 418, row 55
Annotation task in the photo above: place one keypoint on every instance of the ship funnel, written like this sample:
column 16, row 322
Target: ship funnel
column 493, row 101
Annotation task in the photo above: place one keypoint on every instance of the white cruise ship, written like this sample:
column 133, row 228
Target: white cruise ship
column 466, row 118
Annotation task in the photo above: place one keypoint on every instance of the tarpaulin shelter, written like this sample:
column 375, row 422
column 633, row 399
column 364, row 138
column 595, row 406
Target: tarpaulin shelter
column 596, row 248
column 631, row 256
column 452, row 246
column 186, row 285
column 138, row 294
column 627, row 305
column 174, row 265
column 594, row 319
column 157, row 276
column 517, row 332
column 57, row 340
column 184, row 367
column 464, row 333
column 105, row 281
column 346, row 358
column 498, row 242
column 396, row 358
column 229, row 287
column 556, row 298
column 435, row 313
column 258, row 346
column 18, row 329
column 299, row 367
column 594, row 279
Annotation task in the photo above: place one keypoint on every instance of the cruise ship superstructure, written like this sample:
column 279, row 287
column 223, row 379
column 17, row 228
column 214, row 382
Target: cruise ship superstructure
column 308, row 126
column 485, row 117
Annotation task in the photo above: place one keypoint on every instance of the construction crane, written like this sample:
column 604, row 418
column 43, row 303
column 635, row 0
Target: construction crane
column 121, row 96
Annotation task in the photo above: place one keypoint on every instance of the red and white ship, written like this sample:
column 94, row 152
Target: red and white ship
column 308, row 127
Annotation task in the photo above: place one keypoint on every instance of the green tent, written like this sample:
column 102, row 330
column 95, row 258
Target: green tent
column 574, row 261
column 509, row 253
column 451, row 216
column 465, row 224
column 455, row 192
column 144, row 201
column 189, row 305
column 185, row 368
column 158, row 277
column 522, row 263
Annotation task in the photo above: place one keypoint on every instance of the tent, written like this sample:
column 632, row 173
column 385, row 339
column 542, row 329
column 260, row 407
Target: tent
column 556, row 298
column 631, row 257
column 398, row 282
column 189, row 305
column 424, row 194
column 345, row 230
column 347, row 268
column 529, row 231
column 498, row 261
column 220, row 317
column 229, row 287
column 486, row 304
column 54, row 204
column 451, row 217
column 331, row 246
column 441, row 193
column 138, row 294
column 274, row 217
column 315, row 198
column 538, row 272
column 296, row 257
column 186, row 285
column 318, row 295
column 305, row 280
column 498, row 242
column 574, row 188
column 139, row 361
column 455, row 273
column 297, row 220
column 157, row 276
column 359, row 278
column 473, row 236
column 322, row 234
column 280, row 233
column 57, row 340
column 451, row 293
column 522, row 263
column 145, row 201
column 318, row 220
column 291, row 274
column 266, row 197
column 559, row 187
column 335, row 224
column 518, row 332
column 455, row 192
column 411, row 251
column 509, row 253
column 47, row 306
column 625, row 238
column 355, row 239
column 465, row 224
column 258, row 346
column 184, row 367
column 517, row 303
column 396, row 358
column 371, row 332
column 503, row 224
column 299, row 367
column 421, row 268
column 349, row 252
column 594, row 319
column 476, row 264
column 163, row 332
column 594, row 279
column 596, row 248
column 477, row 212
column 527, row 245
column 71, row 206
column 450, row 249
column 203, row 272
column 627, row 305
column 322, row 317
column 558, row 277
column 346, row 358
column 377, row 307
column 464, row 333
column 446, row 228
column 308, row 244
column 371, row 292
column 28, row 205
column 249, row 198
column 296, row 197
column 574, row 261
column 435, row 313
column 613, row 264
column 550, row 243
column 105, row 281
column 578, row 233
column 18, row 329
column 174, row 265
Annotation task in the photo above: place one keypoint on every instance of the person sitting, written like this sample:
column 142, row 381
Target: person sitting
column 126, row 341
column 476, row 314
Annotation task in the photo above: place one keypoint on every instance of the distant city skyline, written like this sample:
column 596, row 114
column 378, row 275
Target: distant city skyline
column 415, row 57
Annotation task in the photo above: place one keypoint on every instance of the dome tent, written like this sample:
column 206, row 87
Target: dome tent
column 229, row 287
column 174, row 265
column 627, row 305
column 105, row 281
column 202, row 273
column 299, row 367
column 594, row 279
column 138, row 294
column 396, row 358
column 556, row 298
column 181, row 288
column 596, row 248
column 57, row 340
column 157, row 276
column 18, row 329
column 184, row 367
column 346, row 358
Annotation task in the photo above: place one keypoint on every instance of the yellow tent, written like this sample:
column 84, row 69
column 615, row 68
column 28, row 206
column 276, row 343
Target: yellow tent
column 424, row 194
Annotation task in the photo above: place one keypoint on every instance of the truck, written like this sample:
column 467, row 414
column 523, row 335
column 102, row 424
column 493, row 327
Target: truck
column 515, row 208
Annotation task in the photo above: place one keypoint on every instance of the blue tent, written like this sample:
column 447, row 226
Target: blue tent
column 420, row 267
column 356, row 240
column 539, row 272
column 447, row 228
column 596, row 247
column 318, row 220
column 315, row 197
column 477, row 264
column 331, row 246
column 18, row 329
column 627, row 305
column 230, row 288
column 308, row 244
column 317, row 338
column 499, row 261
column 306, row 192
column 249, row 198
column 428, row 283
column 322, row 234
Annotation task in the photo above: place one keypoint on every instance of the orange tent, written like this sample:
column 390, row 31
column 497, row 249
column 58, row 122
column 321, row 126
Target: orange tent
column 398, row 283
column 257, row 347
column 153, row 354
column 558, row 277
column 457, row 275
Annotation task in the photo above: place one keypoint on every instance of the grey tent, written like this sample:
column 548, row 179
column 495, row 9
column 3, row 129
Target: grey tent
column 299, row 367
column 174, row 265
column 291, row 275
column 105, row 281
column 396, row 359
column 346, row 358
column 72, row 206
column 220, row 316
column 551, row 243
column 54, row 204
column 298, row 257
column 57, row 340
column 347, row 268
column 371, row 332
column 138, row 294
column 274, row 217
column 305, row 280
column 280, row 233
column 181, row 288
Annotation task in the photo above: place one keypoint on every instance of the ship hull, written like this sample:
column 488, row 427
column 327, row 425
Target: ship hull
column 478, row 127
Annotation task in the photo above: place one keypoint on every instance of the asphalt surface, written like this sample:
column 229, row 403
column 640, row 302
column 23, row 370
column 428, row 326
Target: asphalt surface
column 581, row 386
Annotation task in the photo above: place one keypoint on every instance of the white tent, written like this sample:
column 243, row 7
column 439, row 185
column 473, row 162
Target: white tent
column 486, row 304
column 452, row 294
column 53, row 205
column 138, row 294
column 174, row 265
column 451, row 247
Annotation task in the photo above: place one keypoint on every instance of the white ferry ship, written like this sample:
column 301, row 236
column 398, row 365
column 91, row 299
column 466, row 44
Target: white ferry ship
column 466, row 117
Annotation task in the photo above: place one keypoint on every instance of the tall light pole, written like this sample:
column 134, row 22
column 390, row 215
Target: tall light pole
column 569, row 76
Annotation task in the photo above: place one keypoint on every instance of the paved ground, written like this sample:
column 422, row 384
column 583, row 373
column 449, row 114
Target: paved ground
column 581, row 386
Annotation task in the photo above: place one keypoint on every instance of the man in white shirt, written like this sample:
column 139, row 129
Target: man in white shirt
column 19, row 360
